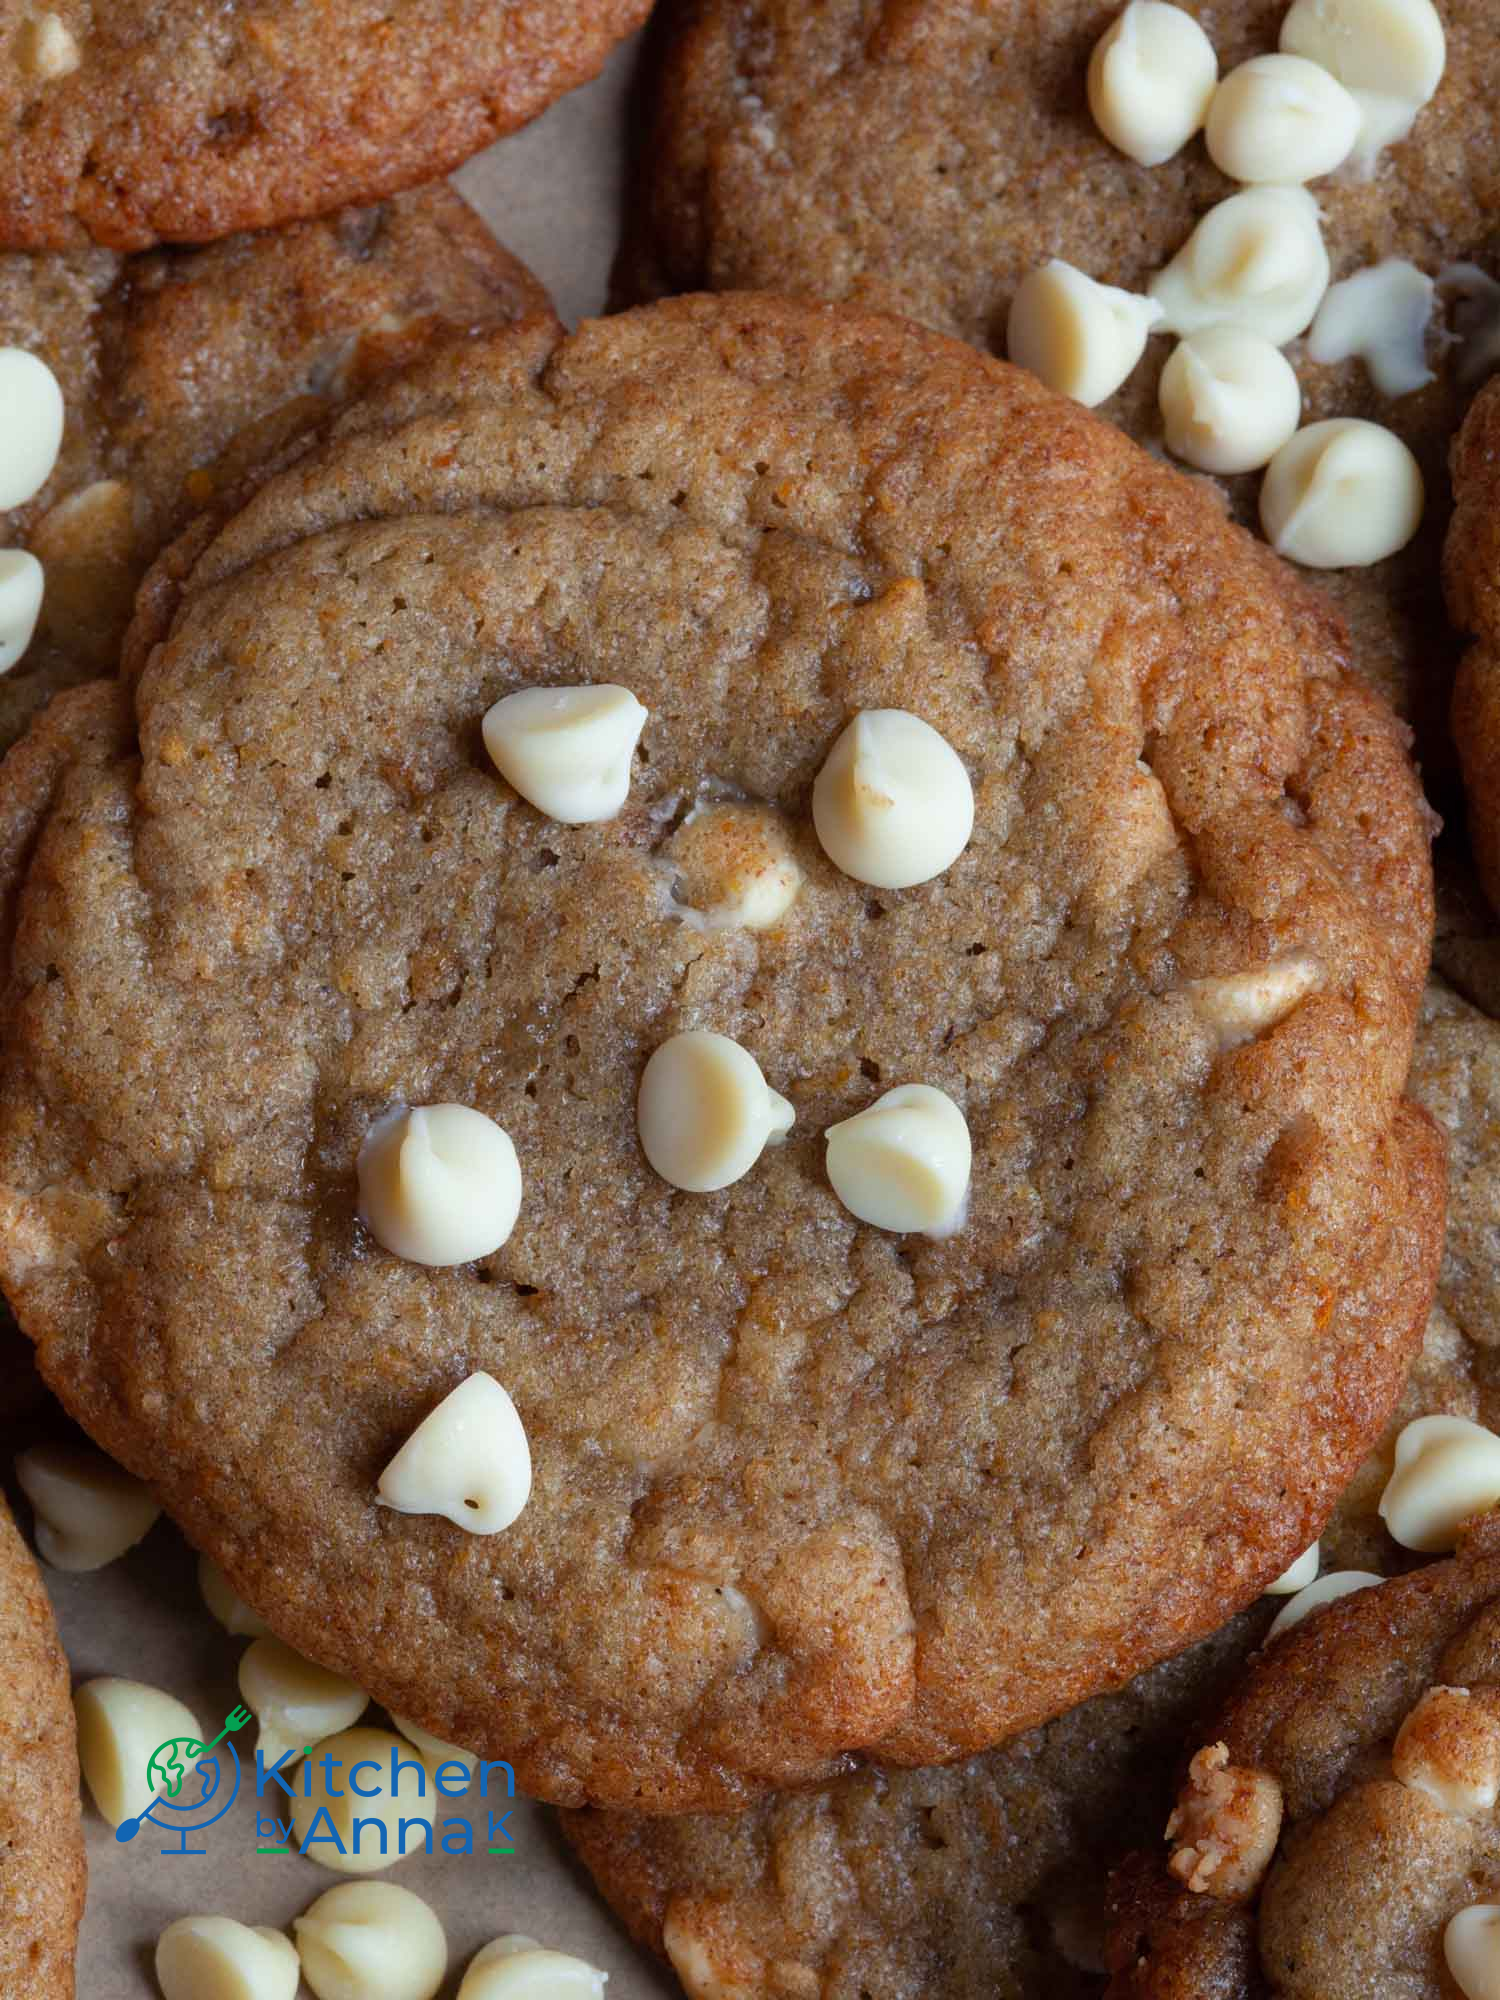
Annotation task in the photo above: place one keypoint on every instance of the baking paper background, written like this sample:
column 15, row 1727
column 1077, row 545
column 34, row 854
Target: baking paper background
column 552, row 193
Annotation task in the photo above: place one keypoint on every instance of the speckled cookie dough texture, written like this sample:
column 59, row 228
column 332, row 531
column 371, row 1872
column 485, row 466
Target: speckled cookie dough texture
column 185, row 122
column 41, row 1826
column 1472, row 574
column 799, row 1486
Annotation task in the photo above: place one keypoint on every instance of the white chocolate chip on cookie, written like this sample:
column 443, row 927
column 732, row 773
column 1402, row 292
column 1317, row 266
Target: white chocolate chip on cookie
column 31, row 425
column 518, row 1968
column 89, row 1510
column 1448, row 1748
column 705, row 1111
column 1471, row 1947
column 46, row 48
column 215, row 1958
column 120, row 1725
column 1238, row 1006
column 1224, row 1826
column 1079, row 337
column 1151, row 78
column 296, row 1702
column 1297, row 1576
column 1326, row 1590
column 1280, row 118
column 1341, row 494
column 371, row 1941
column 1446, row 1470
column 21, row 587
column 1381, row 315
column 735, row 868
column 467, row 1460
column 904, row 1163
column 439, row 1184
column 1229, row 400
column 1256, row 261
column 1388, row 54
column 567, row 749
column 892, row 805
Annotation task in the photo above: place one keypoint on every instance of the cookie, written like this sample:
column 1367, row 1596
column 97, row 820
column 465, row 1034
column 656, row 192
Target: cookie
column 800, row 1485
column 136, row 125
column 179, row 367
column 922, row 156
column 1472, row 575
column 42, row 1867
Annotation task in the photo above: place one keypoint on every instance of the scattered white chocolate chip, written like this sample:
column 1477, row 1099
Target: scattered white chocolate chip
column 1327, row 1590
column 120, row 1725
column 904, row 1163
column 348, row 1778
column 439, row 1184
column 1341, row 494
column 31, row 425
column 734, row 868
column 1471, row 1947
column 1280, row 118
column 1388, row 54
column 1224, row 1827
column 1381, row 315
column 435, row 1751
column 518, row 1968
column 371, row 1941
column 46, row 48
column 1446, row 1470
column 88, row 1509
column 226, row 1604
column 467, row 1460
column 1257, row 261
column 1079, row 337
column 22, row 584
column 1229, row 400
column 214, row 1958
column 567, row 749
column 705, row 1111
column 892, row 805
column 1151, row 78
column 296, row 1702
column 1297, row 1576
column 1448, row 1748
column 1238, row 1006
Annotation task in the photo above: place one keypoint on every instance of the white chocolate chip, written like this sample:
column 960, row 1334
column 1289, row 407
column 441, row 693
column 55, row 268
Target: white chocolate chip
column 734, row 868
column 349, row 1778
column 120, row 1725
column 88, row 1509
column 31, row 425
column 1238, row 1006
column 1381, row 315
column 468, row 1460
column 1327, row 1590
column 214, row 1958
column 1257, row 261
column 703, row 1970
column 46, row 48
column 705, row 1111
column 518, row 1968
column 226, row 1604
column 1388, row 54
column 1341, row 495
column 1297, row 1576
column 904, row 1163
column 439, row 1184
column 1079, row 337
column 1446, row 1470
column 1448, row 1748
column 1229, row 400
column 435, row 1752
column 892, row 805
column 93, row 524
column 1225, row 1826
column 21, row 586
column 296, row 1702
column 1471, row 1947
column 1280, row 118
column 371, row 1941
column 1151, row 78
column 567, row 749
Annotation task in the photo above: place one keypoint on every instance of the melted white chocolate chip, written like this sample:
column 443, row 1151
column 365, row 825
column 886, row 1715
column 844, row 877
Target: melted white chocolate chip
column 21, row 587
column 1238, row 1006
column 296, row 1702
column 1471, row 1948
column 1229, row 400
column 1225, row 1826
column 1341, row 494
column 892, row 805
column 1388, row 54
column 468, row 1460
column 1381, row 315
column 518, row 1968
column 89, row 1510
column 1327, row 1590
column 371, row 1941
column 1079, row 337
column 1446, row 1470
column 120, row 1724
column 1282, row 119
column 349, row 1777
column 904, row 1163
column 439, row 1185
column 567, row 749
column 1297, row 1576
column 735, row 868
column 705, row 1111
column 1151, row 78
column 214, row 1958
column 31, row 425
column 46, row 48
column 1256, row 261
column 1448, row 1749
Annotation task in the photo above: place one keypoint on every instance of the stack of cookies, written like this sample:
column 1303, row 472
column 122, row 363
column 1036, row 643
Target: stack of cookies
column 719, row 1046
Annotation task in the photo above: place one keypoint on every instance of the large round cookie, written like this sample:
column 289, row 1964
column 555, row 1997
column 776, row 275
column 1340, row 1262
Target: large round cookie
column 923, row 155
column 801, row 1487
column 142, row 122
column 41, row 1827
column 1472, row 570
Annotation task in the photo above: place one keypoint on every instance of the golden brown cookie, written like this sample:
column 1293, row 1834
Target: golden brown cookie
column 1472, row 574
column 41, row 1825
column 133, row 124
column 801, row 1486
column 922, row 156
